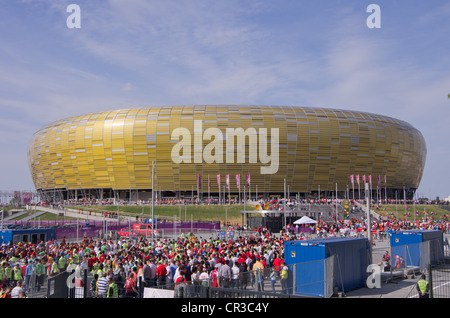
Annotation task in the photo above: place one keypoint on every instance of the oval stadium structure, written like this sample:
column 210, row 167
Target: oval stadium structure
column 197, row 149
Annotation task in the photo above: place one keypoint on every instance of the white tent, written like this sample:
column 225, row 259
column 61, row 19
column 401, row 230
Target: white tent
column 305, row 220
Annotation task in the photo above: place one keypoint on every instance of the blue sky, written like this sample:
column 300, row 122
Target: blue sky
column 140, row 53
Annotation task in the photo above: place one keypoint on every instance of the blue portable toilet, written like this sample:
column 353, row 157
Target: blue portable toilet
column 418, row 247
column 317, row 267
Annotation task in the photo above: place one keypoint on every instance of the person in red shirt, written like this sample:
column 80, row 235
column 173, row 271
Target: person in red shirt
column 180, row 279
column 214, row 277
column 277, row 263
column 161, row 273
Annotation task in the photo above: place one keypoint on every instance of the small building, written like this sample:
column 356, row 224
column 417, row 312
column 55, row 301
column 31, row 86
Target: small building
column 28, row 235
column 417, row 247
column 318, row 268
column 275, row 220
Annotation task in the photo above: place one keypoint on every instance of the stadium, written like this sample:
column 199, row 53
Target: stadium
column 206, row 151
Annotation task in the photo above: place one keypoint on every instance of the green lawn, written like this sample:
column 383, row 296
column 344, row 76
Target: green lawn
column 197, row 212
column 399, row 211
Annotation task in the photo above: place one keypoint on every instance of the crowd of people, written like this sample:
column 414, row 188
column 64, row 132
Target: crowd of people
column 119, row 266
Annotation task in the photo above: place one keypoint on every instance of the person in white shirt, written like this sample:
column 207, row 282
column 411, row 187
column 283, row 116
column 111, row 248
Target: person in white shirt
column 204, row 277
column 235, row 275
column 16, row 291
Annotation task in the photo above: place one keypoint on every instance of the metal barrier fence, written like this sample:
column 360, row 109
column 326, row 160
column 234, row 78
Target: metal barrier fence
column 247, row 284
column 264, row 283
column 250, row 284
column 410, row 258
column 438, row 278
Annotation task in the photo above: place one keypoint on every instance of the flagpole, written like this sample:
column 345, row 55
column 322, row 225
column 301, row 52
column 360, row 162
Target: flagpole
column 153, row 198
column 337, row 212
column 198, row 188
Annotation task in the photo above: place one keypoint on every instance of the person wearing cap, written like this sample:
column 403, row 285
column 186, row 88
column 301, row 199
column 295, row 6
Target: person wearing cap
column 28, row 272
column 40, row 274
column 284, row 278
column 423, row 287
column 214, row 276
column 52, row 267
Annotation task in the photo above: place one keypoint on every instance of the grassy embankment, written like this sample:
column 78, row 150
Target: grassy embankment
column 400, row 210
column 185, row 213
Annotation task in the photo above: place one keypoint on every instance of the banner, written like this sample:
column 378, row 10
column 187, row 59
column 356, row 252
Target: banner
column 227, row 181
column 218, row 181
column 378, row 181
column 357, row 178
column 370, row 180
column 199, row 181
column 248, row 181
column 351, row 180
column 238, row 181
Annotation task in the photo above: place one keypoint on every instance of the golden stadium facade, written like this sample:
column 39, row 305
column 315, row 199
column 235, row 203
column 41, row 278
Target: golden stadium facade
column 111, row 153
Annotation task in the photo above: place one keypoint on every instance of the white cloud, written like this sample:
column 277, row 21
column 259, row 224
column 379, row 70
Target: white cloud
column 137, row 53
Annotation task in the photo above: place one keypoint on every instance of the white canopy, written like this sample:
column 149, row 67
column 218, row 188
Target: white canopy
column 305, row 220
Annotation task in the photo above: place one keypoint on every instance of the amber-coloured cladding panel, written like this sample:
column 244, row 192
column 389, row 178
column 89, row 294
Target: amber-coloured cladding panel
column 318, row 147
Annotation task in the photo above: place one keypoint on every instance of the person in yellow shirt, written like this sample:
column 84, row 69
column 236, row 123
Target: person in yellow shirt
column 17, row 274
column 284, row 278
column 258, row 271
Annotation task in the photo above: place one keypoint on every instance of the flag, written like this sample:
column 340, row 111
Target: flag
column 351, row 180
column 357, row 178
column 378, row 181
column 238, row 181
column 199, row 181
column 218, row 181
column 384, row 180
column 209, row 182
column 370, row 180
column 227, row 181
column 248, row 181
column 364, row 178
